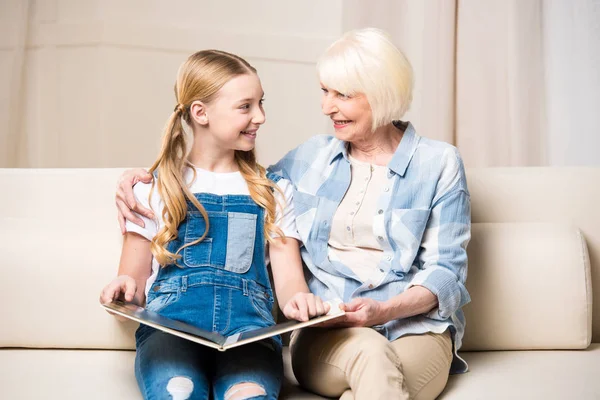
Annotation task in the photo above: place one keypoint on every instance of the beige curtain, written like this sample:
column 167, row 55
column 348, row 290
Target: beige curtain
column 509, row 82
column 16, row 23
column 478, row 68
column 500, row 83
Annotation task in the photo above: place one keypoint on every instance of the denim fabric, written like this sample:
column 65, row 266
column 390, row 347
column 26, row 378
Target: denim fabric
column 163, row 360
column 222, row 285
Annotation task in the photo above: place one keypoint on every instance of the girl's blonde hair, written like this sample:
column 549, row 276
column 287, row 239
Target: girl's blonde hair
column 200, row 78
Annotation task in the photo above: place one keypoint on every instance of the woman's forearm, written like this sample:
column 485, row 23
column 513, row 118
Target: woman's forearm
column 414, row 301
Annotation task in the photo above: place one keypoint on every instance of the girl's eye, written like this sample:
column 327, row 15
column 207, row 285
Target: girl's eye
column 261, row 102
column 324, row 90
column 343, row 96
column 245, row 106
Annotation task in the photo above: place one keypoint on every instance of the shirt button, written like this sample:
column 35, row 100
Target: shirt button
column 347, row 228
column 325, row 223
column 351, row 212
column 156, row 288
column 389, row 258
column 380, row 212
column 358, row 203
column 366, row 179
column 371, row 286
column 386, row 189
column 380, row 270
column 380, row 237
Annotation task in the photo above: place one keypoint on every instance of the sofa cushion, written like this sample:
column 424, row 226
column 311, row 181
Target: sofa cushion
column 567, row 195
column 29, row 374
column 57, row 275
column 60, row 245
column 530, row 288
column 104, row 374
column 527, row 375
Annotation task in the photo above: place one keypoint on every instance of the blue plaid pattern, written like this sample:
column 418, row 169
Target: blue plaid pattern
column 423, row 214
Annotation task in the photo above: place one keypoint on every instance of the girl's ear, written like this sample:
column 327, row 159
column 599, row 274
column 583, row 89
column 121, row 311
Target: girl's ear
column 198, row 113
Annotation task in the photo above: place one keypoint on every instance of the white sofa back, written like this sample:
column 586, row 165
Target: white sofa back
column 530, row 276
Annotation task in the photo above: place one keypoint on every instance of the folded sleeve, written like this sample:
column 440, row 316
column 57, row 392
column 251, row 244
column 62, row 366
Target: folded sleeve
column 285, row 218
column 442, row 256
column 141, row 192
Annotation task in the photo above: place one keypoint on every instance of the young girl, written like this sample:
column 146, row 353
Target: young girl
column 203, row 260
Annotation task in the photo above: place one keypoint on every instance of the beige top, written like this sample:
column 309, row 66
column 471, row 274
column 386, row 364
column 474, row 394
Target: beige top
column 352, row 240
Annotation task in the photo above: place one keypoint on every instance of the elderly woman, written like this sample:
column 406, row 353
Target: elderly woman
column 384, row 216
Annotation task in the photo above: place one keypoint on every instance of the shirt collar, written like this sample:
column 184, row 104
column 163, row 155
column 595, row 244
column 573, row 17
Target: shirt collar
column 405, row 150
column 402, row 156
column 340, row 149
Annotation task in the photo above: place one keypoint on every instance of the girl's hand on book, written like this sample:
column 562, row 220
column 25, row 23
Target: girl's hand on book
column 303, row 306
column 122, row 287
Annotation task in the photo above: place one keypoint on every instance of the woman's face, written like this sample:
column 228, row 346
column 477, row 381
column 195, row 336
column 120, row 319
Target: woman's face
column 351, row 115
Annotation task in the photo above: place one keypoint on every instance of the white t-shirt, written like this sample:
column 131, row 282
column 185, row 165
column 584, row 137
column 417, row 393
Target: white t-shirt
column 215, row 183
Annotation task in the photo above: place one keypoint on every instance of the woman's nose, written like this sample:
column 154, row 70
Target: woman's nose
column 328, row 105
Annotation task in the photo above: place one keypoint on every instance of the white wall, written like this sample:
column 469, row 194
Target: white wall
column 97, row 85
column 572, row 59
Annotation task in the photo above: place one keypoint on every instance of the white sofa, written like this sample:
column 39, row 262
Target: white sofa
column 533, row 259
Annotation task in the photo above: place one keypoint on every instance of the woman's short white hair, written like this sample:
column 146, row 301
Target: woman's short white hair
column 366, row 61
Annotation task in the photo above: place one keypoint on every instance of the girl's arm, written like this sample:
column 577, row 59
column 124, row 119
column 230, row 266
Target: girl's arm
column 135, row 268
column 293, row 295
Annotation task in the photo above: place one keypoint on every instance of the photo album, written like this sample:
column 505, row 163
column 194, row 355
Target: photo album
column 213, row 339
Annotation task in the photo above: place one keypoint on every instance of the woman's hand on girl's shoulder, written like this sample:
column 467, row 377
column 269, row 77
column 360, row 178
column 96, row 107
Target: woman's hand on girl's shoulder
column 125, row 200
column 303, row 306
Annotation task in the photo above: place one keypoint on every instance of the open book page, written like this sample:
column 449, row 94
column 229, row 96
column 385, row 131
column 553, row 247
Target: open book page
column 277, row 329
column 212, row 339
column 174, row 327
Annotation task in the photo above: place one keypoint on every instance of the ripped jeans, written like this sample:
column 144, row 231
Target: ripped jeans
column 169, row 367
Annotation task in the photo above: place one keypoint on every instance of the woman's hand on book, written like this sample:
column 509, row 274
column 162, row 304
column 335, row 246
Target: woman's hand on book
column 303, row 306
column 122, row 287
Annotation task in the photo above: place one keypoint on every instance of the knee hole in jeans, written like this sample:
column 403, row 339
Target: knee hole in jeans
column 180, row 387
column 246, row 390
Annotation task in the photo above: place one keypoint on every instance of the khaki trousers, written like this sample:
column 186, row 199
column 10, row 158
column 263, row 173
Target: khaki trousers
column 361, row 364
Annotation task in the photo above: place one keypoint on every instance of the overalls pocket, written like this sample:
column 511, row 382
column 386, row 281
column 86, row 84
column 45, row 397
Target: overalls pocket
column 241, row 235
column 199, row 254
column 263, row 306
column 159, row 298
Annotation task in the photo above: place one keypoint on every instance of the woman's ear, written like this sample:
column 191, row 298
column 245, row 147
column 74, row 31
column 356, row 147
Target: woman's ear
column 198, row 113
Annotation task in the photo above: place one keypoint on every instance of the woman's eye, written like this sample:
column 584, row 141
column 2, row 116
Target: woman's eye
column 324, row 90
column 261, row 102
column 343, row 96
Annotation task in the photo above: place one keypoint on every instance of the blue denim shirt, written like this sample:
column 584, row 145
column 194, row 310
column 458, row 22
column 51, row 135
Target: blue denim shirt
column 424, row 210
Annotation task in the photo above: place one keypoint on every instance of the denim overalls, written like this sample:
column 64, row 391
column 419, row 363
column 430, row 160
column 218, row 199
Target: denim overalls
column 222, row 285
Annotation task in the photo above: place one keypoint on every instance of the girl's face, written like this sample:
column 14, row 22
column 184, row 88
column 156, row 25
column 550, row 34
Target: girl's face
column 237, row 112
column 351, row 115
